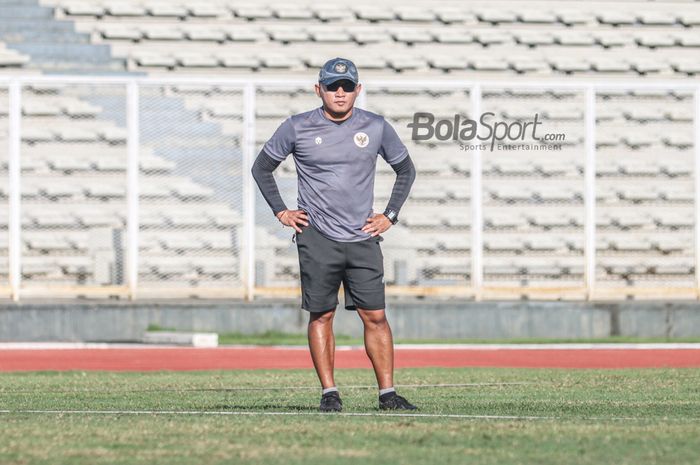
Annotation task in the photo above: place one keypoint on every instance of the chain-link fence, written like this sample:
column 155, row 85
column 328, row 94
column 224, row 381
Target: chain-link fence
column 644, row 189
column 533, row 192
column 73, row 163
column 430, row 246
column 4, row 190
column 276, row 259
column 190, row 190
column 142, row 188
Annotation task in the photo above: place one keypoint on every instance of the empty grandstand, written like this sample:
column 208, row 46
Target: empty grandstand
column 165, row 146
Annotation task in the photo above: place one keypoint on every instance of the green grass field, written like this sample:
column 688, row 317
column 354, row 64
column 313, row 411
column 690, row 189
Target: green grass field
column 587, row 417
column 278, row 338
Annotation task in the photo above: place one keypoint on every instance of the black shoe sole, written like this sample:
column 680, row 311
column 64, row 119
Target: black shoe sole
column 331, row 410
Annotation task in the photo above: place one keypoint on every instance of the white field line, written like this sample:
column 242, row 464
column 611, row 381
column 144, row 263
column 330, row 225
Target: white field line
column 345, row 414
column 273, row 388
column 558, row 346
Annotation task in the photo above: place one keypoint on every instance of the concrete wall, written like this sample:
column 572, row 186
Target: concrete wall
column 124, row 321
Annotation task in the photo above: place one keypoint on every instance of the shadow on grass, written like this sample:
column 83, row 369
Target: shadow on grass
column 259, row 407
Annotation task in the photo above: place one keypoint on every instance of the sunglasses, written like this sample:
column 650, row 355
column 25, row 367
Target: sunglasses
column 348, row 86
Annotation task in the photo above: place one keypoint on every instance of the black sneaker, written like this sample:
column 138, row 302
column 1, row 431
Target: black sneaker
column 393, row 401
column 330, row 402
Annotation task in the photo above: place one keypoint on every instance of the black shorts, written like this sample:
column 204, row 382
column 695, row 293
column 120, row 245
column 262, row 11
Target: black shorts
column 325, row 263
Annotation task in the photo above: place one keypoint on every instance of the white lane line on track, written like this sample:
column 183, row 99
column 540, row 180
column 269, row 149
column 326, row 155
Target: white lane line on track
column 561, row 346
column 345, row 414
column 274, row 388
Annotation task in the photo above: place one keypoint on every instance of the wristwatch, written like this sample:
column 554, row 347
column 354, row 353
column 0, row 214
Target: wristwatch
column 393, row 215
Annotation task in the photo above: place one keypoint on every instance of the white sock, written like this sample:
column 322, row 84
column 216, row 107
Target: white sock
column 330, row 389
column 386, row 391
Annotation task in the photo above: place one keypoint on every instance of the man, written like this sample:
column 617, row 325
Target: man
column 335, row 150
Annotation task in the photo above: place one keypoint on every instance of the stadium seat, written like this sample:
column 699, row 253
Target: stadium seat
column 654, row 40
column 632, row 243
column 489, row 37
column 414, row 14
column 574, row 38
column 672, row 219
column 689, row 18
column 569, row 65
column 373, row 13
column 543, row 243
column 206, row 33
column 627, row 219
column 187, row 219
column 253, row 13
column 329, row 36
column 196, row 60
column 411, row 36
column 555, row 219
column 496, row 16
column 674, row 168
column 453, row 242
column 451, row 15
column 328, row 13
column 572, row 17
column 648, row 65
column 152, row 59
column 657, row 18
column 510, row 193
column 616, row 17
column 535, row 16
column 534, row 39
column 608, row 39
column 161, row 9
column 457, row 220
column 449, row 36
column 500, row 266
column 206, row 10
column 609, row 65
column 497, row 243
column 672, row 244
column 82, row 8
column 686, row 66
column 287, row 35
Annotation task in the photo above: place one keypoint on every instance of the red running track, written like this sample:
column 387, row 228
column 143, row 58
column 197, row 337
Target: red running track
column 148, row 359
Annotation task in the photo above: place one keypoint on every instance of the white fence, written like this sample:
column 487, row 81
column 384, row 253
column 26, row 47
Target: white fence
column 188, row 269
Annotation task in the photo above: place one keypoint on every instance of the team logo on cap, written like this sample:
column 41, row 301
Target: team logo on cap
column 361, row 139
column 340, row 67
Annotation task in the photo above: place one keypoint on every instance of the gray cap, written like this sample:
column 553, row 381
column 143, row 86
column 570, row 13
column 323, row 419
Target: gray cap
column 337, row 69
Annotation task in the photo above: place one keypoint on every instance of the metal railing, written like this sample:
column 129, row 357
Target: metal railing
column 243, row 282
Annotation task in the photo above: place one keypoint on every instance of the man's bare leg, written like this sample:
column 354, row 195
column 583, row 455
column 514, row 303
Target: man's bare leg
column 322, row 346
column 379, row 345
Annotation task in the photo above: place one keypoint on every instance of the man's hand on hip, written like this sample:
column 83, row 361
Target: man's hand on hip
column 377, row 224
column 293, row 218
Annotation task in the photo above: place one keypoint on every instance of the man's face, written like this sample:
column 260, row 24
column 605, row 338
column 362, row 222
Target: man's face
column 339, row 96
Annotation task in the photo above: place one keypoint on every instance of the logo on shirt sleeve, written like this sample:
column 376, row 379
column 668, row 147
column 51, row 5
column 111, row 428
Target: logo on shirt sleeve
column 361, row 139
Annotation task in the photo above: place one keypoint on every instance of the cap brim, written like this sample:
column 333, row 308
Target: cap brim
column 331, row 80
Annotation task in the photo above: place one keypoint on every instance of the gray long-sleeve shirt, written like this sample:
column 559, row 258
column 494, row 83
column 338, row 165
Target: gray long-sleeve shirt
column 336, row 165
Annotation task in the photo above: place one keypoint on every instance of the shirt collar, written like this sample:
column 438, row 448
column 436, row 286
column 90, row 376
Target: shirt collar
column 345, row 122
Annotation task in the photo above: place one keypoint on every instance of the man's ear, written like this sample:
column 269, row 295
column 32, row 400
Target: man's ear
column 359, row 88
column 317, row 88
